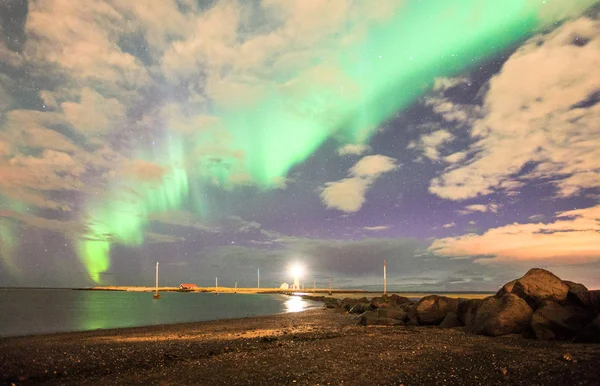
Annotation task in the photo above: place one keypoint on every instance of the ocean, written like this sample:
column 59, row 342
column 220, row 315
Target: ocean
column 43, row 311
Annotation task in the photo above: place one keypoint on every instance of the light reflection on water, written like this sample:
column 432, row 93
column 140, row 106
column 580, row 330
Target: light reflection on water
column 296, row 304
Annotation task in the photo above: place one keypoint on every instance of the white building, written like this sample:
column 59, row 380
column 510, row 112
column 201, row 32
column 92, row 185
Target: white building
column 284, row 286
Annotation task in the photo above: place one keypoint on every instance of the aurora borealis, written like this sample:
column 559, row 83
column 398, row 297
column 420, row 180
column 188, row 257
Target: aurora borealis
column 215, row 134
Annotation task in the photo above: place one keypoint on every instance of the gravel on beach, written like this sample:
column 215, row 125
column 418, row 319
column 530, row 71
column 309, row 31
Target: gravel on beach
column 315, row 347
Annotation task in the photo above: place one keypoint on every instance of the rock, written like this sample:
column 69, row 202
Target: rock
column 554, row 321
column 577, row 293
column 412, row 317
column 467, row 310
column 398, row 301
column 539, row 286
column 432, row 309
column 380, row 302
column 370, row 318
column 506, row 289
column 591, row 332
column 592, row 300
column 331, row 302
column 508, row 314
column 348, row 303
column 450, row 321
column 392, row 313
column 359, row 308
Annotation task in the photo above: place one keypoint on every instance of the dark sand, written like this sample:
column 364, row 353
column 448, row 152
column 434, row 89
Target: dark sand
column 316, row 347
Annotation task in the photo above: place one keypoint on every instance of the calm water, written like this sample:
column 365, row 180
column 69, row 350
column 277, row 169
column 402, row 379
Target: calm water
column 40, row 311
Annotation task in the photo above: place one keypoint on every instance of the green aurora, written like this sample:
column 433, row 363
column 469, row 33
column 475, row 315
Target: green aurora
column 345, row 96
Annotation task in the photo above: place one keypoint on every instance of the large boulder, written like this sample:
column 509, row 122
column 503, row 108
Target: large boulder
column 348, row 303
column 412, row 316
column 370, row 318
column 331, row 302
column 379, row 302
column 433, row 309
column 536, row 287
column 398, row 301
column 467, row 311
column 450, row 321
column 506, row 288
column 554, row 321
column 359, row 308
column 392, row 313
column 592, row 300
column 591, row 332
column 577, row 293
column 508, row 314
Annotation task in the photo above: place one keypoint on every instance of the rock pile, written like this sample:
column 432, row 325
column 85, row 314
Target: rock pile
column 539, row 305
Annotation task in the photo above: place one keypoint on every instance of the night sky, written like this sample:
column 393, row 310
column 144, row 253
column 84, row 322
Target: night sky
column 458, row 140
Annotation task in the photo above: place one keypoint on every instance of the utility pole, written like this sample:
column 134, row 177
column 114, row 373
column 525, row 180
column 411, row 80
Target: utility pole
column 330, row 280
column 384, row 278
column 157, row 277
column 156, row 295
column 314, row 285
column 258, row 286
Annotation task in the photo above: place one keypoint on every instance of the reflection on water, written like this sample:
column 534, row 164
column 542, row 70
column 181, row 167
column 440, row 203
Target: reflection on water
column 296, row 304
column 26, row 311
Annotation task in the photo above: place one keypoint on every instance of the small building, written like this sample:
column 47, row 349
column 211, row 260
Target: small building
column 284, row 286
column 188, row 286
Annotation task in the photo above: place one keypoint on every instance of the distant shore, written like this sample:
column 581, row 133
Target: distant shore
column 335, row 293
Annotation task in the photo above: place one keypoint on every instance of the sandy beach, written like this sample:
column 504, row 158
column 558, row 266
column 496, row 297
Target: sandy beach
column 315, row 347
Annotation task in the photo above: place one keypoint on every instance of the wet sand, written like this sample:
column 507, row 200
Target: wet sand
column 315, row 347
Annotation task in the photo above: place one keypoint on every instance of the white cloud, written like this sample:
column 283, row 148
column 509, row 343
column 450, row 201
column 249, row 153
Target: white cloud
column 443, row 84
column 431, row 144
column 534, row 114
column 377, row 228
column 373, row 166
column 493, row 208
column 353, row 149
column 348, row 195
column 449, row 225
column 573, row 238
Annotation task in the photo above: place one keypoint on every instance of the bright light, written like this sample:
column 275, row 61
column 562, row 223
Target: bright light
column 297, row 270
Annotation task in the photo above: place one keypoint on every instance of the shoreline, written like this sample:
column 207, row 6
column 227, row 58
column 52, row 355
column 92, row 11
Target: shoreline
column 335, row 293
column 316, row 346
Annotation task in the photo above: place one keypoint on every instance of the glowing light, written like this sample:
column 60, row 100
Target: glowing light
column 297, row 270
column 295, row 304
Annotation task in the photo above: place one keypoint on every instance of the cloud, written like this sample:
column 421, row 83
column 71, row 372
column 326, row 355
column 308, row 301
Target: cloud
column 431, row 144
column 80, row 38
column 443, row 84
column 574, row 238
column 540, row 117
column 67, row 227
column 372, row 166
column 94, row 115
column 353, row 149
column 377, row 228
column 449, row 225
column 348, row 195
column 537, row 217
column 493, row 208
